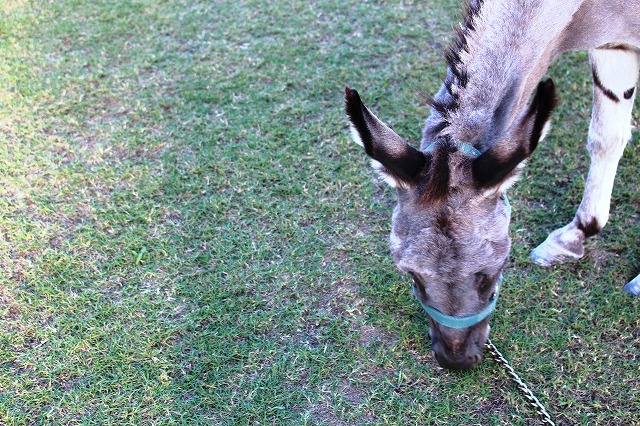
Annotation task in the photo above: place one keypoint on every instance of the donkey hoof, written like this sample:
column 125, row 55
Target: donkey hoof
column 633, row 287
column 541, row 260
column 550, row 253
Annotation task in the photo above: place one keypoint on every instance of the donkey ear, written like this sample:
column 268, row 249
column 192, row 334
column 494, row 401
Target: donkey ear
column 397, row 162
column 498, row 166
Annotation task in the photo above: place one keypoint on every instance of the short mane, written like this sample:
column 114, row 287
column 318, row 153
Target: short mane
column 457, row 76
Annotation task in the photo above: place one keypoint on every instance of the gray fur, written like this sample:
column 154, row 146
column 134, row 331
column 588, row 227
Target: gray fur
column 454, row 240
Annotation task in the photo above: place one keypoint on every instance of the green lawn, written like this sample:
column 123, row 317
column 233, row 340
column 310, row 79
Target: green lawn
column 189, row 237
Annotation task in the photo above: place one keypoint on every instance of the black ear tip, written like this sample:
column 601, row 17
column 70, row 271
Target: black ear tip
column 351, row 95
column 546, row 89
column 547, row 99
column 549, row 84
column 352, row 103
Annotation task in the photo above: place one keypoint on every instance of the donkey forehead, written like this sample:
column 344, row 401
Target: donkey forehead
column 435, row 253
column 460, row 213
column 447, row 242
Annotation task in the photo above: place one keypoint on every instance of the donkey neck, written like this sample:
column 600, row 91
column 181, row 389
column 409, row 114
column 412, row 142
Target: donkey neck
column 502, row 51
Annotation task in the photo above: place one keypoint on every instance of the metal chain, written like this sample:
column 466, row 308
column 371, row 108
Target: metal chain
column 530, row 397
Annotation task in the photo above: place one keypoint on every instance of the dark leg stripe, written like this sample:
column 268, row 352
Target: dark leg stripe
column 618, row 46
column 590, row 229
column 608, row 93
column 629, row 93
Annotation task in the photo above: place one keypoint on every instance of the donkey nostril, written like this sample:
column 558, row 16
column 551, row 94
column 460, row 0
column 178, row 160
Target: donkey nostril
column 475, row 359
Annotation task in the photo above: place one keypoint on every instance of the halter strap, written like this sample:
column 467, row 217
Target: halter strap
column 461, row 322
column 465, row 147
column 507, row 203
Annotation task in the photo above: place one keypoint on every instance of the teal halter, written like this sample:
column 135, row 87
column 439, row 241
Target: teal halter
column 461, row 322
column 469, row 320
column 467, row 148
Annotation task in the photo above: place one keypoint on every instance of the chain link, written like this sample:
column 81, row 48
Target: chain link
column 529, row 396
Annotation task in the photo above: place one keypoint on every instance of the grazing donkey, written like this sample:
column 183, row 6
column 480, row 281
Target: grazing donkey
column 450, row 226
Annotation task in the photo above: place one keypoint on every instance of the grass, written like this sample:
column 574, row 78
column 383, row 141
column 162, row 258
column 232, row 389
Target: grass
column 190, row 237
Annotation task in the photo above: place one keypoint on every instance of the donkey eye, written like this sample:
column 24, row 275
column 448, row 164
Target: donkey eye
column 492, row 297
column 483, row 282
column 418, row 288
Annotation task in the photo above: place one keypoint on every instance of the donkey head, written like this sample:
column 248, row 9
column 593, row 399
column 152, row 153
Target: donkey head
column 450, row 226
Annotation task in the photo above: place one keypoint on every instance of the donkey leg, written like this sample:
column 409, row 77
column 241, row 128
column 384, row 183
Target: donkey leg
column 615, row 73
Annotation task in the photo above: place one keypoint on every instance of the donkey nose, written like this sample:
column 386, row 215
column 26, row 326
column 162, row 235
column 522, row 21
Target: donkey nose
column 458, row 363
column 474, row 359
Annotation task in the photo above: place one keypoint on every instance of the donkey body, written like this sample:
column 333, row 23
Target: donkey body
column 450, row 226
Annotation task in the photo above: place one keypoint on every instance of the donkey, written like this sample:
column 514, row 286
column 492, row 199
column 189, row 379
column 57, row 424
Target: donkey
column 450, row 225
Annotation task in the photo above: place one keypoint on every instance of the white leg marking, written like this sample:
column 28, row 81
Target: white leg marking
column 615, row 72
column 610, row 129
